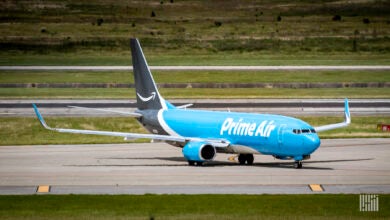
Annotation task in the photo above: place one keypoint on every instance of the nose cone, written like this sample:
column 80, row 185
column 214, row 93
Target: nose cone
column 312, row 142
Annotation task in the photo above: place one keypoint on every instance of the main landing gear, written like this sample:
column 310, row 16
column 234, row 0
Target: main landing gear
column 195, row 163
column 245, row 159
column 298, row 164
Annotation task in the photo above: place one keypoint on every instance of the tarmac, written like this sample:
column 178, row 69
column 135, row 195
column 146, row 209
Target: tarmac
column 290, row 107
column 339, row 166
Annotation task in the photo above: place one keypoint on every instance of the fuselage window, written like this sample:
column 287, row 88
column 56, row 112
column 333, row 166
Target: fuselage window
column 312, row 130
column 305, row 130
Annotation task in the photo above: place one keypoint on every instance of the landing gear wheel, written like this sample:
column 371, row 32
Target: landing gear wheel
column 249, row 159
column 242, row 159
column 199, row 164
column 245, row 159
column 298, row 164
column 191, row 163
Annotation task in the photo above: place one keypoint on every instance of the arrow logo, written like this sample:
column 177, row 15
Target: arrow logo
column 153, row 96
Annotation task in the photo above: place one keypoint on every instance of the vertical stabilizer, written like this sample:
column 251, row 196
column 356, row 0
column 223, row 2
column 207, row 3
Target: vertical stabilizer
column 147, row 94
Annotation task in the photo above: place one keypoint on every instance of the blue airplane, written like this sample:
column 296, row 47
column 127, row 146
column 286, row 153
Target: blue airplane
column 201, row 134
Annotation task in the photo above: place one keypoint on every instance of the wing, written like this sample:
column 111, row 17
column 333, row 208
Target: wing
column 180, row 139
column 347, row 120
column 132, row 114
column 184, row 106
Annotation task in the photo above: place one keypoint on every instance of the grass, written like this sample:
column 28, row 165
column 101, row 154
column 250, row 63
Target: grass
column 197, row 58
column 195, row 76
column 185, row 32
column 190, row 93
column 23, row 130
column 361, row 126
column 27, row 130
column 189, row 207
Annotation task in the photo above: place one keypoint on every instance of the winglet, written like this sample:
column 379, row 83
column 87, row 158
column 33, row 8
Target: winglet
column 346, row 112
column 40, row 118
column 345, row 123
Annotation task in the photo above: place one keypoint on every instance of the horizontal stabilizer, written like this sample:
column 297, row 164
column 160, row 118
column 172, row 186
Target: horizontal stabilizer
column 132, row 114
column 184, row 106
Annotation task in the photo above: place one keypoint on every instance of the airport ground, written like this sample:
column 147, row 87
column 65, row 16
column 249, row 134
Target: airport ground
column 339, row 166
column 292, row 107
column 194, row 33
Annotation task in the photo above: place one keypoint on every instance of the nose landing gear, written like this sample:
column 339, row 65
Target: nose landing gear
column 298, row 164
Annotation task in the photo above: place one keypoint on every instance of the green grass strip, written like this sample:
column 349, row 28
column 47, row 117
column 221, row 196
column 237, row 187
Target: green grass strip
column 27, row 130
column 205, row 76
column 168, row 93
column 189, row 207
column 184, row 56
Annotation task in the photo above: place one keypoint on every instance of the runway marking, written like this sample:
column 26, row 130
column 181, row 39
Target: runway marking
column 43, row 189
column 316, row 187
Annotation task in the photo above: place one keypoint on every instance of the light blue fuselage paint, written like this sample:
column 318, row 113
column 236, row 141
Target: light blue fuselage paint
column 265, row 133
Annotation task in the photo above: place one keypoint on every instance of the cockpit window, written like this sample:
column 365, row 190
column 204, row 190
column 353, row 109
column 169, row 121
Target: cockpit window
column 302, row 131
column 297, row 131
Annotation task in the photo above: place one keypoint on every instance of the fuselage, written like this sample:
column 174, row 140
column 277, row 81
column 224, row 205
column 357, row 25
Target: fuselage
column 281, row 136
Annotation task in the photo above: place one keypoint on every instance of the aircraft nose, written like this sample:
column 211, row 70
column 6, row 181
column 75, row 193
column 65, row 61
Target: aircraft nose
column 313, row 141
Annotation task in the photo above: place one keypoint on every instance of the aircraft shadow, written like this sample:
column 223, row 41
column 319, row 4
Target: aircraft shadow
column 282, row 164
column 288, row 164
column 175, row 159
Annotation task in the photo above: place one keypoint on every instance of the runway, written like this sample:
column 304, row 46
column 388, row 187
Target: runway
column 225, row 68
column 340, row 166
column 291, row 107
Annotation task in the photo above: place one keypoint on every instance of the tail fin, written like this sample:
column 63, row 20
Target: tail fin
column 147, row 94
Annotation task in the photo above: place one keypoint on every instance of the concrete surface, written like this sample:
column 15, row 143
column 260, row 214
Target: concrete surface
column 341, row 166
column 292, row 107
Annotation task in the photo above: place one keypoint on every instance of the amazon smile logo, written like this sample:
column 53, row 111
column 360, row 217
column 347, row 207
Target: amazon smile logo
column 151, row 97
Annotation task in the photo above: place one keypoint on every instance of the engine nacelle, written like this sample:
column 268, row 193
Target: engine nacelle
column 199, row 151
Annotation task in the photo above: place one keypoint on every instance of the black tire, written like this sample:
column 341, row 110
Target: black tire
column 250, row 159
column 298, row 164
column 199, row 164
column 245, row 159
column 242, row 159
column 191, row 163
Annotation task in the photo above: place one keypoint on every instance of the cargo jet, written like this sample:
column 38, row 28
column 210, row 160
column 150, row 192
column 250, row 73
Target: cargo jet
column 203, row 134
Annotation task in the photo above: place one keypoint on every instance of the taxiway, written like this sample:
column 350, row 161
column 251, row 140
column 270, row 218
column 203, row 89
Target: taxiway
column 339, row 166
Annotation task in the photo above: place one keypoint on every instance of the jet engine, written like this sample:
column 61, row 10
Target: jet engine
column 198, row 152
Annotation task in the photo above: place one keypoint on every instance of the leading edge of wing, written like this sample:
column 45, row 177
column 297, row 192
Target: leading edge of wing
column 107, row 133
column 126, row 135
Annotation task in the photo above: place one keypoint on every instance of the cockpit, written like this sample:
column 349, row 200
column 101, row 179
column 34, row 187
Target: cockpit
column 304, row 131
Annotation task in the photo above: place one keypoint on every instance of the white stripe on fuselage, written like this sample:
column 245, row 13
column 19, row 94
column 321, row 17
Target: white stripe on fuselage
column 164, row 125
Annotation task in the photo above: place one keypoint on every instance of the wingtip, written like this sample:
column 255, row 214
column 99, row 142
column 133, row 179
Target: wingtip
column 37, row 113
column 347, row 112
column 39, row 116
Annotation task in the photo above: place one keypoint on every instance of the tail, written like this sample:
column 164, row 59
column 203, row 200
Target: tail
column 147, row 94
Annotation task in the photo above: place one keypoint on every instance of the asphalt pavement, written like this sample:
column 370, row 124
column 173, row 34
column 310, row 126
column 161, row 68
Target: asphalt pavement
column 338, row 166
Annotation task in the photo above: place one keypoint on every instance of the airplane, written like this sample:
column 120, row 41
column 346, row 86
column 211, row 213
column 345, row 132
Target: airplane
column 202, row 134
